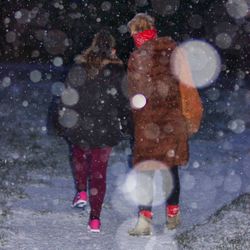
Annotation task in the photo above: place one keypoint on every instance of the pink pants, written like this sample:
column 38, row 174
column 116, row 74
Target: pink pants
column 91, row 164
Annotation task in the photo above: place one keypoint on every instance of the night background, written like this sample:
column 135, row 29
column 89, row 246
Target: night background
column 37, row 31
column 38, row 44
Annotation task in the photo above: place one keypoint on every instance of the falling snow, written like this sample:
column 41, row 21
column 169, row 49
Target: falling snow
column 40, row 42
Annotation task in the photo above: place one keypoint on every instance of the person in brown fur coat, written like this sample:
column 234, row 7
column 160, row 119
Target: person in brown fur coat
column 166, row 112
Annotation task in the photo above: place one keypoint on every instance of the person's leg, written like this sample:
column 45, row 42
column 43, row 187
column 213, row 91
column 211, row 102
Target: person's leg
column 144, row 190
column 172, row 204
column 80, row 164
column 80, row 168
column 144, row 195
column 174, row 196
column 97, row 187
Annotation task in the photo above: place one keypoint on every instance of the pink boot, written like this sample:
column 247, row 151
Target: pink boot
column 80, row 200
column 94, row 225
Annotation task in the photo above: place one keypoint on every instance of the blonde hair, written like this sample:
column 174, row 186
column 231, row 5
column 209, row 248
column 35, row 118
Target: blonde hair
column 140, row 23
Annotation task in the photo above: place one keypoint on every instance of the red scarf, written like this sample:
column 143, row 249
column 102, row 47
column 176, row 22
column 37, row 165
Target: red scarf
column 144, row 36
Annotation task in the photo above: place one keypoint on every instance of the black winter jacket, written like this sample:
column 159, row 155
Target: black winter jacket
column 93, row 112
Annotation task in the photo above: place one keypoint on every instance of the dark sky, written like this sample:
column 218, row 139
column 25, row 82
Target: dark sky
column 181, row 25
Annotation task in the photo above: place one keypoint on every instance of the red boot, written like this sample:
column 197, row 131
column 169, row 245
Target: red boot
column 173, row 216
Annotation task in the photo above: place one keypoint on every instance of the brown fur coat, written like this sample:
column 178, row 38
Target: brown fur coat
column 173, row 110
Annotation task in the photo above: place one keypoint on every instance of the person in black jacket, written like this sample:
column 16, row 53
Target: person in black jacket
column 92, row 114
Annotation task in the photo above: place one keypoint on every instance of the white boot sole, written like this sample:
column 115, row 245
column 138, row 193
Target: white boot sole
column 79, row 204
column 94, row 230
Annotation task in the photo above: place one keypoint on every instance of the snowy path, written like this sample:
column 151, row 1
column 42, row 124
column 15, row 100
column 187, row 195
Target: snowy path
column 45, row 220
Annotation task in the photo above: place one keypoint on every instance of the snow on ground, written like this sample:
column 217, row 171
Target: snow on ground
column 229, row 228
column 37, row 186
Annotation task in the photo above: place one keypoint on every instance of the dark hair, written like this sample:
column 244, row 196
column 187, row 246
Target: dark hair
column 100, row 49
column 97, row 55
column 104, row 42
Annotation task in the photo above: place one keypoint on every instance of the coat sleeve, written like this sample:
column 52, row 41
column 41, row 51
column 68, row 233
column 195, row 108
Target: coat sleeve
column 75, row 78
column 192, row 107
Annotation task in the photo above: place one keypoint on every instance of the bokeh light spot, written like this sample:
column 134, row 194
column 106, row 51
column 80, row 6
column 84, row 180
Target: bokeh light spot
column 196, row 61
column 70, row 96
column 138, row 101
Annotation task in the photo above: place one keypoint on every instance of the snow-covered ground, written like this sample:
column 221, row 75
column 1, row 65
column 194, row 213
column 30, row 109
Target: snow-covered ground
column 37, row 186
column 228, row 228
